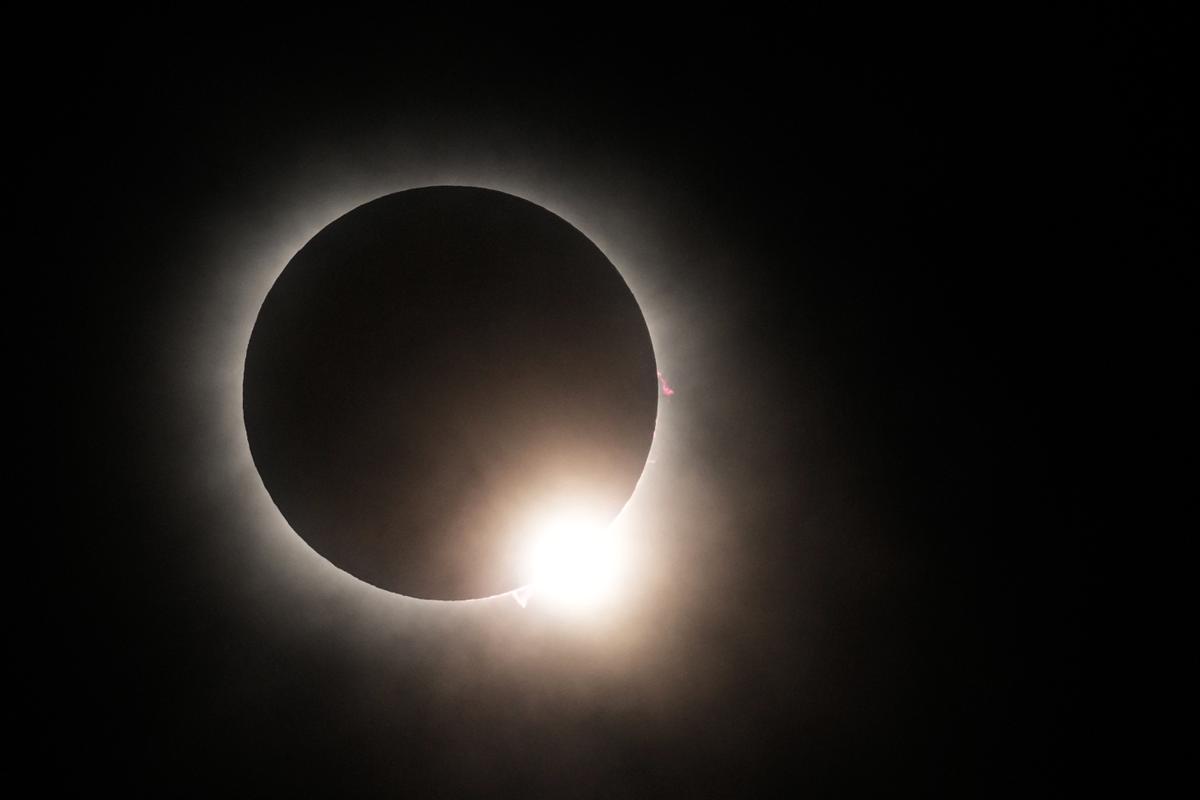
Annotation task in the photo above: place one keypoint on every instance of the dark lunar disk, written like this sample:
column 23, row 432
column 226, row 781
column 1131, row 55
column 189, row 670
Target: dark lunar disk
column 434, row 369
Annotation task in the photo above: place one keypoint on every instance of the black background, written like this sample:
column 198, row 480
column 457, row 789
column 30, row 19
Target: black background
column 938, row 228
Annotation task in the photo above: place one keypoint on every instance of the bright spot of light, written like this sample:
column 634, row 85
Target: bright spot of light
column 572, row 561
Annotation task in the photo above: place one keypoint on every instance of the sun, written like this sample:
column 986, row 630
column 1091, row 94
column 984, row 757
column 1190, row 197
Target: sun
column 572, row 560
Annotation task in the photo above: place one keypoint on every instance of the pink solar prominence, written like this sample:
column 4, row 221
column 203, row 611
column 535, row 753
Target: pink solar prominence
column 666, row 387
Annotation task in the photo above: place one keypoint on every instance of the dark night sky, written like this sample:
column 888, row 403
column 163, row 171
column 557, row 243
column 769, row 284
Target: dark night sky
column 890, row 258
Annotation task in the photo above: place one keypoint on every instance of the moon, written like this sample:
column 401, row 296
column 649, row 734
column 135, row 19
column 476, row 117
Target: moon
column 435, row 369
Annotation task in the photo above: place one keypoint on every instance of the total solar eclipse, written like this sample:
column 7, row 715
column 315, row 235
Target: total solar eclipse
column 434, row 369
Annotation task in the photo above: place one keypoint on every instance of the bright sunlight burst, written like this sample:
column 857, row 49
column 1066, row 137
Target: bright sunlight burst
column 572, row 560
